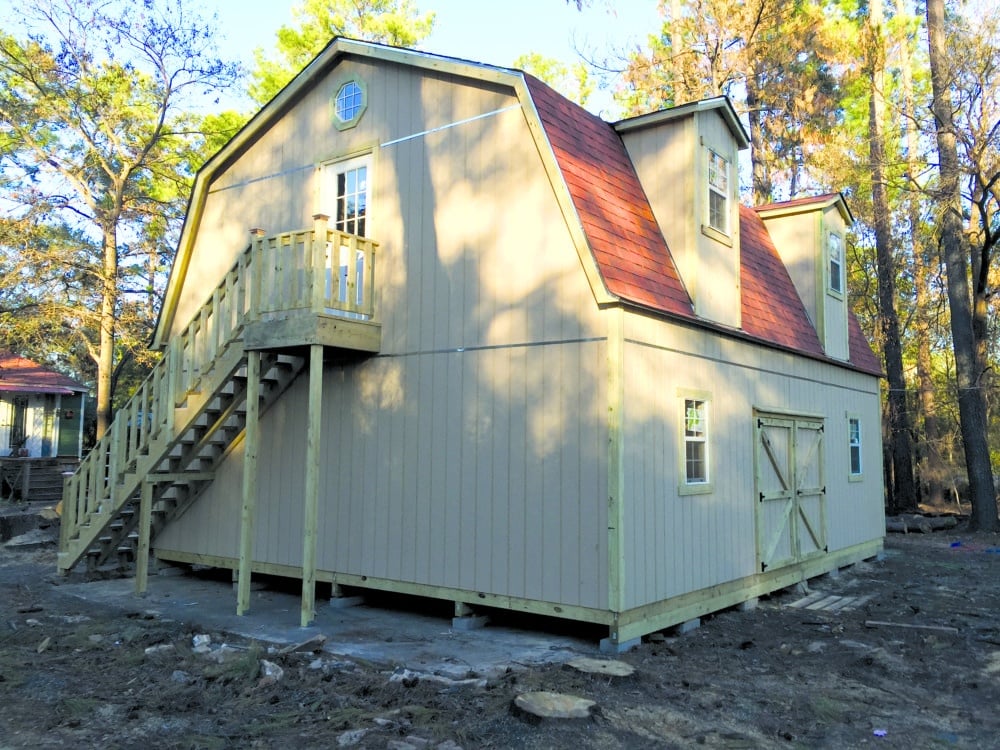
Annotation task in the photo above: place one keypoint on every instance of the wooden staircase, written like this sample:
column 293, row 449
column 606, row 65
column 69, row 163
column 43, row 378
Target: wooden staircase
column 192, row 409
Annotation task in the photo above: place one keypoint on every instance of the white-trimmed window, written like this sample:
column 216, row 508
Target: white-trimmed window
column 349, row 104
column 696, row 448
column 835, row 262
column 718, row 192
column 351, row 196
column 854, row 445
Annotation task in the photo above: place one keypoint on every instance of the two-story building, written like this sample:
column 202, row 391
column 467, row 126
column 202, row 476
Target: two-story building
column 434, row 329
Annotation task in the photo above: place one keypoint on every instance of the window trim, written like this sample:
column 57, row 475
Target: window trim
column 855, row 476
column 339, row 86
column 837, row 291
column 684, row 486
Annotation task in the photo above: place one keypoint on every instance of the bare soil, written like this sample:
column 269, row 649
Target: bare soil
column 76, row 675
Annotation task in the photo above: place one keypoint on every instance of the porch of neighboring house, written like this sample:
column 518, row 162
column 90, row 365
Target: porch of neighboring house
column 289, row 301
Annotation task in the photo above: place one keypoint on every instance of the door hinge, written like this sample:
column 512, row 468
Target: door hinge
column 763, row 567
column 761, row 497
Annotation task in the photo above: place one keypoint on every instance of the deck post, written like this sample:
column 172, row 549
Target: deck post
column 311, row 510
column 317, row 264
column 256, row 270
column 145, row 523
column 251, row 442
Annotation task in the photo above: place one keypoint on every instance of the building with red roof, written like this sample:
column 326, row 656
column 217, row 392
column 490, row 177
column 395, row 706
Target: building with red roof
column 434, row 329
column 41, row 410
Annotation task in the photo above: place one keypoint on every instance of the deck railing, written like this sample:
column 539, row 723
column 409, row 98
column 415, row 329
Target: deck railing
column 335, row 276
column 318, row 270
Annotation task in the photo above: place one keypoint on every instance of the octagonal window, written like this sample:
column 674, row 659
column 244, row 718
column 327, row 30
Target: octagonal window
column 349, row 104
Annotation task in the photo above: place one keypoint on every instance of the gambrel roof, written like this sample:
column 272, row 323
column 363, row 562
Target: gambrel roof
column 624, row 237
column 632, row 253
column 622, row 248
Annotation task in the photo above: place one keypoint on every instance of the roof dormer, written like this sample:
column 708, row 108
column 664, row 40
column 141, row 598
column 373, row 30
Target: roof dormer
column 810, row 236
column 686, row 159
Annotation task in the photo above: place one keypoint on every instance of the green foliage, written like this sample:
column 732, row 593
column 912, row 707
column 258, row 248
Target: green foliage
column 572, row 81
column 395, row 22
column 775, row 59
column 97, row 152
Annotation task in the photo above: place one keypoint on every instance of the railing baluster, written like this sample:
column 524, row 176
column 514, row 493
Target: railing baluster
column 370, row 278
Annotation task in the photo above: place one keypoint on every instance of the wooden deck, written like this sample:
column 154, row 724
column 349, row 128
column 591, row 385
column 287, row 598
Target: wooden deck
column 312, row 287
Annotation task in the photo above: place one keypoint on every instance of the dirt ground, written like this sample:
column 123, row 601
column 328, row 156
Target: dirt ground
column 916, row 665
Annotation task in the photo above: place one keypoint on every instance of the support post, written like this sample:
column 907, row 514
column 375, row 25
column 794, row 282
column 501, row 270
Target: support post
column 310, row 515
column 251, row 443
column 145, row 524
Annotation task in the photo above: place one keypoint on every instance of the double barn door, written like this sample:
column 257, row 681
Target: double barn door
column 790, row 489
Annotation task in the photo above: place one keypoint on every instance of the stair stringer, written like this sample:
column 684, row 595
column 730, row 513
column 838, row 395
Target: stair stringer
column 104, row 522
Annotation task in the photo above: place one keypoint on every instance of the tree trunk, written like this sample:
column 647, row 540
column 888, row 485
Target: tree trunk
column 903, row 494
column 968, row 366
column 762, row 188
column 106, row 353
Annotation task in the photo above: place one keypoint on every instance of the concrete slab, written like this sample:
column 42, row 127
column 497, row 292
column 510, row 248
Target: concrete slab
column 390, row 637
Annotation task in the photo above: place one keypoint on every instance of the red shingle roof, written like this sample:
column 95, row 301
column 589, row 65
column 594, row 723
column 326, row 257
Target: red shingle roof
column 18, row 374
column 632, row 254
column 627, row 242
column 807, row 201
column 861, row 353
column 772, row 309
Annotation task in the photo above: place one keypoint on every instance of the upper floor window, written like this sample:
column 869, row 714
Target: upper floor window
column 718, row 192
column 835, row 255
column 349, row 104
column 854, row 443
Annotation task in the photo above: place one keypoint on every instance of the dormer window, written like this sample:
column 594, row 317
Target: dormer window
column 718, row 192
column 835, row 261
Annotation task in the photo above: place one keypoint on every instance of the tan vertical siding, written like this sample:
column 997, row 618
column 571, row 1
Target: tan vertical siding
column 681, row 543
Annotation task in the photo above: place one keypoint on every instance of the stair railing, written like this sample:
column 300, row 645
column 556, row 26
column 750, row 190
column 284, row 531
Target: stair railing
column 317, row 270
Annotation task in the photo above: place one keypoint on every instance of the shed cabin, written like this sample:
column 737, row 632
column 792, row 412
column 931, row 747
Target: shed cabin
column 434, row 329
column 41, row 428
